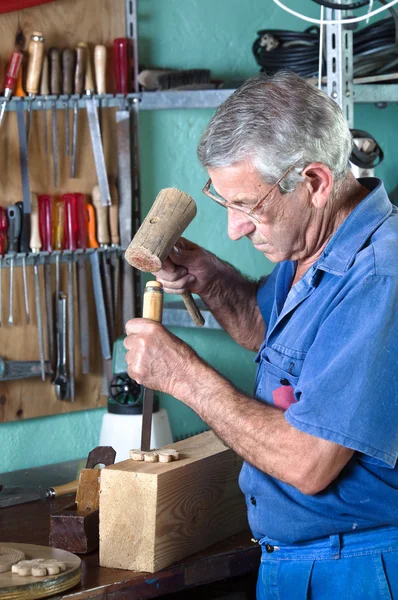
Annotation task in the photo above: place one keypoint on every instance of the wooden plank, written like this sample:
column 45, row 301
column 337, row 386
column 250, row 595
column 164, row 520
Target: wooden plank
column 64, row 24
column 154, row 514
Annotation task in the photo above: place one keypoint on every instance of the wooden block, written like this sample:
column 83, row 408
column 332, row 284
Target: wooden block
column 73, row 530
column 154, row 514
column 87, row 496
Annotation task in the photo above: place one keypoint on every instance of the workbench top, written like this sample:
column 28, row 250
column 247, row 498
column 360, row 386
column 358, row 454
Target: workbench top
column 29, row 523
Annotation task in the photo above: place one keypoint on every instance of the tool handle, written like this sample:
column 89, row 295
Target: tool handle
column 58, row 224
column 193, row 310
column 19, row 91
column 82, row 218
column 152, row 307
column 25, row 229
column 100, row 68
column 114, row 214
column 70, row 221
column 3, row 231
column 13, row 68
column 102, row 218
column 55, row 71
column 92, row 240
column 35, row 241
column 81, row 65
column 62, row 490
column 45, row 221
column 120, row 63
column 36, row 51
column 44, row 82
column 89, row 86
column 68, row 68
column 14, row 227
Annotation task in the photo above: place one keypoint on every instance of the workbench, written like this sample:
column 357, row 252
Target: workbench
column 236, row 556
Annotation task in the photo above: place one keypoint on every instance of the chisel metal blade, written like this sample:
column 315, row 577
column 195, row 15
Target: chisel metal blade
column 98, row 151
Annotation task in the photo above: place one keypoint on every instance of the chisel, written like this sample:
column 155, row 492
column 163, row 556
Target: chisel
column 13, row 232
column 3, row 250
column 58, row 226
column 115, row 259
column 70, row 244
column 55, row 88
column 152, row 309
column 68, row 69
column 44, row 91
column 100, row 70
column 45, row 228
column 84, row 329
column 95, row 134
column 24, row 248
column 35, row 60
column 80, row 73
column 35, row 246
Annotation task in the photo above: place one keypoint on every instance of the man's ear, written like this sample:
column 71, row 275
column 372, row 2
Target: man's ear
column 319, row 179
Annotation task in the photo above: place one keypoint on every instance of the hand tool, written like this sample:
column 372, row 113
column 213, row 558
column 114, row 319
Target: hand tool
column 91, row 227
column 169, row 215
column 3, row 250
column 21, row 369
column 84, row 329
column 58, row 228
column 100, row 306
column 121, row 61
column 70, row 244
column 95, row 134
column 152, row 309
column 60, row 379
column 115, row 258
column 55, row 88
column 13, row 232
column 35, row 245
column 35, row 59
column 68, row 68
column 45, row 227
column 24, row 249
column 44, row 91
column 13, row 69
column 104, row 241
column 80, row 73
column 100, row 69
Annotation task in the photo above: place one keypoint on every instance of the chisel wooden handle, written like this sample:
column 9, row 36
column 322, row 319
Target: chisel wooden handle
column 68, row 68
column 36, row 51
column 44, row 84
column 89, row 85
column 152, row 307
column 80, row 71
column 102, row 218
column 100, row 68
column 55, row 71
column 63, row 490
column 114, row 214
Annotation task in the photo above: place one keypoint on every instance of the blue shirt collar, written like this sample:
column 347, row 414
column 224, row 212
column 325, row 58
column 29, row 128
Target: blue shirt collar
column 352, row 234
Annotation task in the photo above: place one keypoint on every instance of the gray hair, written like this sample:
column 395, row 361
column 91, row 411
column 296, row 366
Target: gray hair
column 275, row 122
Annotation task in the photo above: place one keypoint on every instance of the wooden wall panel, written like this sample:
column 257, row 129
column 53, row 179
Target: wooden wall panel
column 64, row 24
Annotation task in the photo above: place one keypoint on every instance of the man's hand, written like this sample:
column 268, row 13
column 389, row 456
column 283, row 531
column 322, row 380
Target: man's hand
column 156, row 358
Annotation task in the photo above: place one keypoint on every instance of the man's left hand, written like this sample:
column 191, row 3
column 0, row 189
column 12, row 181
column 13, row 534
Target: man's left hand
column 155, row 357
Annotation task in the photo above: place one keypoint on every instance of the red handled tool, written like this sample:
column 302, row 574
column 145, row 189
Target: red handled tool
column 121, row 61
column 70, row 216
column 11, row 79
column 3, row 250
column 45, row 228
column 81, row 242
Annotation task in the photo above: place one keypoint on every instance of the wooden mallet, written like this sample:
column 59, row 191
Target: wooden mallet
column 169, row 216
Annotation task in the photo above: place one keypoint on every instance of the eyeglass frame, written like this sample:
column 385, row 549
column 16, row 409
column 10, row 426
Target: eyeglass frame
column 248, row 212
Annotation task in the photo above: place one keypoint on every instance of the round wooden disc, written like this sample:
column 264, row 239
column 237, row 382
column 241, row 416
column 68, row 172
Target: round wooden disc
column 14, row 587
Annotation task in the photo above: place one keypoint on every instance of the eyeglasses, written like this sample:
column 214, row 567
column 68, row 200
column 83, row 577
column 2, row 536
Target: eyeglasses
column 248, row 211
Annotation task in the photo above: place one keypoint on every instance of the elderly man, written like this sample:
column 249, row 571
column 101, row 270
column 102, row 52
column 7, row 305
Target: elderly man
column 320, row 436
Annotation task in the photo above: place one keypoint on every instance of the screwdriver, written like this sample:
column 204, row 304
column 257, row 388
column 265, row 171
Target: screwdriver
column 70, row 244
column 80, row 73
column 45, row 227
column 55, row 88
column 13, row 232
column 44, row 91
column 121, row 65
column 3, row 250
column 68, row 68
column 13, row 69
column 35, row 246
column 81, row 242
column 24, row 248
column 35, row 60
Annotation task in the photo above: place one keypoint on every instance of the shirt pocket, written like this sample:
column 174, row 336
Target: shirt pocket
column 277, row 377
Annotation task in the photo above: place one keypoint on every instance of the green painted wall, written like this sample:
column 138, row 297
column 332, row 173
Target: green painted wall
column 216, row 34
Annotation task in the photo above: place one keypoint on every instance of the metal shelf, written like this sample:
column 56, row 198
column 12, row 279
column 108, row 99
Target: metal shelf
column 65, row 256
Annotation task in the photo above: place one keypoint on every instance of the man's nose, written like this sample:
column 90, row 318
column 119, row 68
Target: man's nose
column 239, row 225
